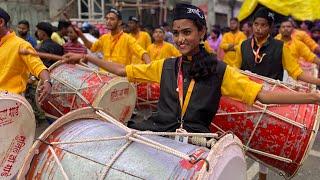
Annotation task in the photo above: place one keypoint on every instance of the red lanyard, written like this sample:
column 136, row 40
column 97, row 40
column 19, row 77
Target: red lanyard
column 184, row 104
column 114, row 42
column 257, row 57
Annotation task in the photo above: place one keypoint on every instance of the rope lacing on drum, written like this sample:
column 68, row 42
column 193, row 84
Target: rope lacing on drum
column 136, row 136
column 263, row 109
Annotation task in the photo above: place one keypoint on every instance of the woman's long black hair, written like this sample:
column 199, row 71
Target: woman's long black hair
column 203, row 63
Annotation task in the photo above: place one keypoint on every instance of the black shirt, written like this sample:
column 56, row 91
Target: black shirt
column 49, row 46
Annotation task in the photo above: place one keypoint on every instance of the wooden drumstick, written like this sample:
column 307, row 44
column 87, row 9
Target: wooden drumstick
column 40, row 54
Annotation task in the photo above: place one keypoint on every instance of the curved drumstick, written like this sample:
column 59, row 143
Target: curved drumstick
column 40, row 54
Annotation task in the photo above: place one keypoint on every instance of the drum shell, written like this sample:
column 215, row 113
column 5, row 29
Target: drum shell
column 273, row 135
column 102, row 90
column 148, row 95
column 137, row 161
column 17, row 131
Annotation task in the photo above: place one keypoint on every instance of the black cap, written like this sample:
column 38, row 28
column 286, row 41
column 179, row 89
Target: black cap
column 265, row 14
column 46, row 27
column 133, row 18
column 4, row 15
column 187, row 11
column 116, row 12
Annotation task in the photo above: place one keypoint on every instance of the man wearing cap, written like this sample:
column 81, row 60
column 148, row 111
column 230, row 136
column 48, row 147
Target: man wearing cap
column 44, row 32
column 15, row 67
column 142, row 37
column 116, row 46
column 266, row 56
column 230, row 41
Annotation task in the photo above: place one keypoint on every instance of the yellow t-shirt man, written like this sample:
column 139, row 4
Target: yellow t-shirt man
column 163, row 51
column 57, row 38
column 15, row 68
column 118, row 48
column 144, row 40
column 235, row 39
column 298, row 49
column 234, row 84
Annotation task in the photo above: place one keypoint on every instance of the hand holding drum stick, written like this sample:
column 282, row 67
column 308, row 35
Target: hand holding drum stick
column 40, row 54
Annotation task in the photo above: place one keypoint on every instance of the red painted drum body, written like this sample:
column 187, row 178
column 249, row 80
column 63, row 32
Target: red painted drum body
column 84, row 154
column 279, row 136
column 17, row 131
column 147, row 95
column 76, row 86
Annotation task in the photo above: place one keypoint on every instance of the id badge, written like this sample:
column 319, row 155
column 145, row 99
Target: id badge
column 183, row 139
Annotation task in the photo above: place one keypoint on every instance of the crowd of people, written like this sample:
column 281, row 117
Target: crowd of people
column 194, row 67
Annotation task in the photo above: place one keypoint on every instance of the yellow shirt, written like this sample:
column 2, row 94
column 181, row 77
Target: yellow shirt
column 15, row 68
column 288, row 61
column 57, row 38
column 164, row 51
column 144, row 40
column 298, row 49
column 118, row 48
column 305, row 38
column 231, row 38
column 208, row 48
column 234, row 84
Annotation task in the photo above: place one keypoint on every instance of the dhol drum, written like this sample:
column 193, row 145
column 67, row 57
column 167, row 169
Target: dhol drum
column 308, row 68
column 147, row 95
column 17, row 131
column 83, row 145
column 280, row 136
column 75, row 86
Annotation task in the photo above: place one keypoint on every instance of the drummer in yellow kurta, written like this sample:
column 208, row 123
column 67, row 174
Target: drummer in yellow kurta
column 230, row 42
column 297, row 48
column 161, row 49
column 15, row 66
column 116, row 46
column 142, row 37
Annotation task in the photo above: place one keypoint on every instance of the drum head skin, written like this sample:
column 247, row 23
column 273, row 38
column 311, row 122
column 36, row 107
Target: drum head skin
column 17, row 131
column 227, row 160
column 138, row 161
